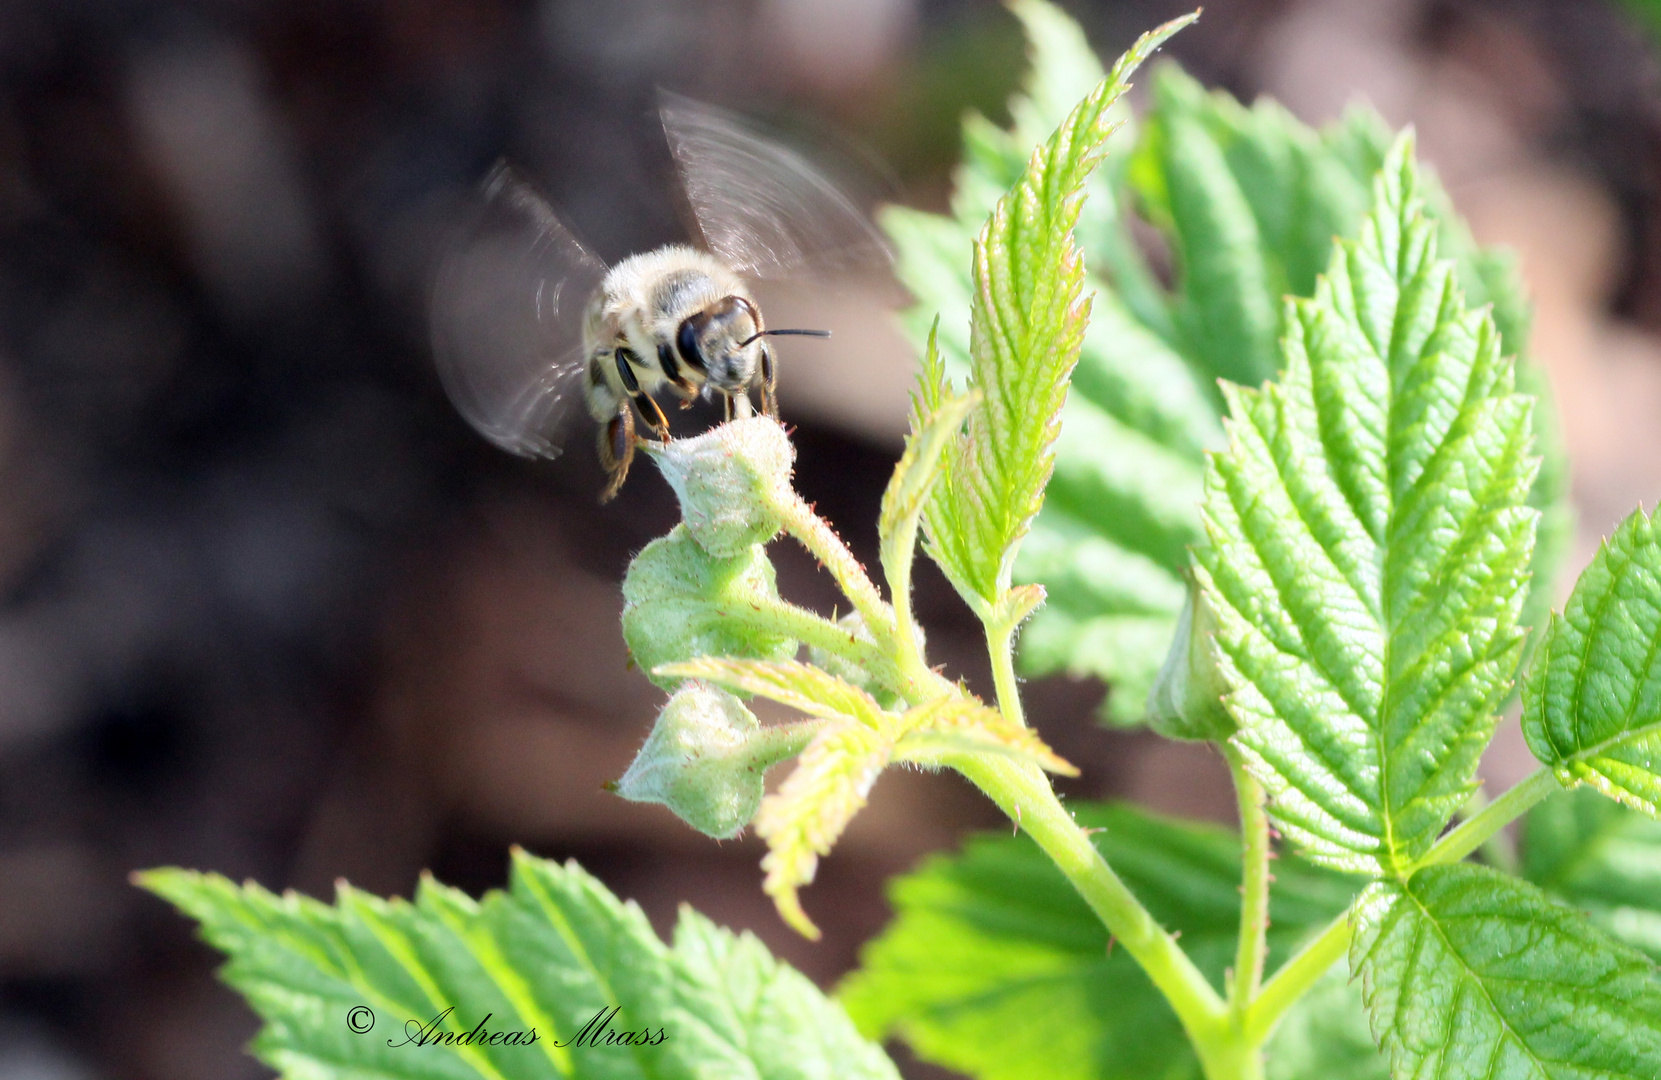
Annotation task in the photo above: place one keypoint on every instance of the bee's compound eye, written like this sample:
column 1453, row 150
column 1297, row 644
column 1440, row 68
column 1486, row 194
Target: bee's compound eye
column 686, row 342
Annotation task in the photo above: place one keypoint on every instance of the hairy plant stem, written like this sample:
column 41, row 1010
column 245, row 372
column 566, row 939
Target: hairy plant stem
column 1023, row 792
column 914, row 682
column 1295, row 977
column 788, row 620
column 1000, row 646
column 814, row 533
column 1298, row 974
column 1247, row 979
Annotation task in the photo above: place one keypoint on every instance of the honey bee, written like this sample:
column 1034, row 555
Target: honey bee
column 527, row 322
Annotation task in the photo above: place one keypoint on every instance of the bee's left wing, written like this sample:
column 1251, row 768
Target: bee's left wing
column 763, row 207
column 507, row 317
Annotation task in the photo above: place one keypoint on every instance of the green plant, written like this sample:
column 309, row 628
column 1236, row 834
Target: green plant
column 1363, row 531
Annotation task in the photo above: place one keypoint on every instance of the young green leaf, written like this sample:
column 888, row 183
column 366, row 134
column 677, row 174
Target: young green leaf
column 1026, row 328
column 1602, row 858
column 936, row 422
column 1592, row 700
column 547, row 956
column 788, row 682
column 803, row 819
column 943, row 729
column 996, row 968
column 1367, row 546
column 1468, row 973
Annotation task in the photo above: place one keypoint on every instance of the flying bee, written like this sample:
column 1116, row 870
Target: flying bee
column 527, row 323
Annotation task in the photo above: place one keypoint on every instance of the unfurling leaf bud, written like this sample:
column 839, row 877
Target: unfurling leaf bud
column 680, row 602
column 706, row 759
column 729, row 481
column 1187, row 698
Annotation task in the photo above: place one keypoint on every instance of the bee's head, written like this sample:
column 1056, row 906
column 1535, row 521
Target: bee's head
column 723, row 341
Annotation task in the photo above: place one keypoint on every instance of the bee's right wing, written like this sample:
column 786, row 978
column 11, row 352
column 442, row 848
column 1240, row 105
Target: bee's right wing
column 761, row 206
column 507, row 317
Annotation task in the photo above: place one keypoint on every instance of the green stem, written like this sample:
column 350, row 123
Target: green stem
column 1298, row 974
column 1023, row 792
column 1498, row 849
column 1254, row 887
column 815, row 534
column 898, row 552
column 788, row 620
column 1000, row 646
column 1230, row 1059
column 913, row 679
column 1295, row 977
column 1476, row 830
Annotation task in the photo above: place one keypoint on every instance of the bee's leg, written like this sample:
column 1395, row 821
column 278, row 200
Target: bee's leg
column 769, row 385
column 625, row 371
column 617, row 450
column 655, row 418
column 726, row 408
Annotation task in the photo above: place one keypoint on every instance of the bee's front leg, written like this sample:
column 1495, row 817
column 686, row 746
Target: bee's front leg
column 655, row 418
column 769, row 384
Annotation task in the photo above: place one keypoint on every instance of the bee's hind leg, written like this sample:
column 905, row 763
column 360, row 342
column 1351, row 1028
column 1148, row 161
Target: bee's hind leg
column 617, row 450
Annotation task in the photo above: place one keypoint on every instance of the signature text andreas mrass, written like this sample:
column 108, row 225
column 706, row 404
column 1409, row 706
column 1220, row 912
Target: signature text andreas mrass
column 599, row 1031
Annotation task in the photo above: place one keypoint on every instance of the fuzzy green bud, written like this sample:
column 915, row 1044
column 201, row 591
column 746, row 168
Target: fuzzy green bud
column 680, row 602
column 1187, row 698
column 697, row 761
column 730, row 480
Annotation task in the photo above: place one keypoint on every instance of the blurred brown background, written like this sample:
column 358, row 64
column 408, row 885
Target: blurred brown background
column 268, row 607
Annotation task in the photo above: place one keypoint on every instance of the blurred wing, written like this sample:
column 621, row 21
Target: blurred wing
column 762, row 207
column 507, row 318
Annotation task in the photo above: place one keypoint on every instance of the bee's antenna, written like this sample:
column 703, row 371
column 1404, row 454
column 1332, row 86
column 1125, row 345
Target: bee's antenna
column 781, row 333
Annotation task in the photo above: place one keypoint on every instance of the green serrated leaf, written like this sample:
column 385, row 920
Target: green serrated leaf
column 1026, row 328
column 996, row 968
column 788, row 682
column 1602, row 858
column 1592, row 700
column 1468, row 973
column 547, row 956
column 1367, row 547
column 1149, row 354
